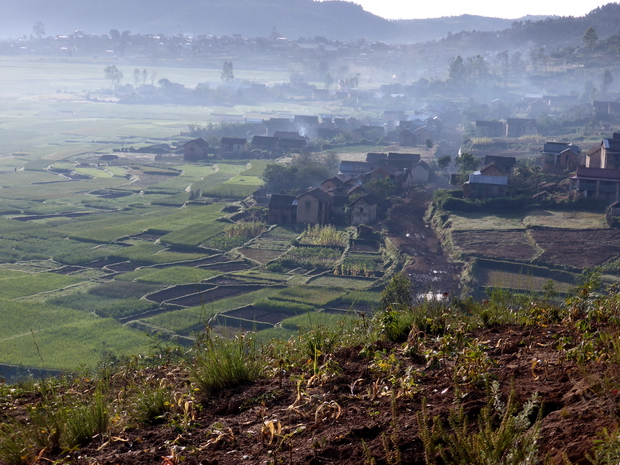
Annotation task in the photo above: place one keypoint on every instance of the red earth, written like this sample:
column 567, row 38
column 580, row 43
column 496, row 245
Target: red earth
column 347, row 413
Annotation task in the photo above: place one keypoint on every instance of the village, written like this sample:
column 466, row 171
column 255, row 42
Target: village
column 350, row 197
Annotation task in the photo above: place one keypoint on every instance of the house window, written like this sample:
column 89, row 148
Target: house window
column 307, row 205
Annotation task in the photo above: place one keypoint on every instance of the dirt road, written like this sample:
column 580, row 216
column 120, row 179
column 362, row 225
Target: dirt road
column 430, row 269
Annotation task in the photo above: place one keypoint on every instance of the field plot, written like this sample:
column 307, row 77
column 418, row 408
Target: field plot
column 194, row 235
column 565, row 220
column 504, row 244
column 261, row 256
column 339, row 281
column 59, row 346
column 318, row 296
column 252, row 313
column 313, row 319
column 361, row 264
column 217, row 293
column 110, row 227
column 181, row 290
column 226, row 322
column 34, row 284
column 482, row 221
column 171, row 276
column 578, row 249
column 313, row 257
column 288, row 307
column 187, row 320
column 492, row 278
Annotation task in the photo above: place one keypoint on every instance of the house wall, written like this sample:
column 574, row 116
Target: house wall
column 483, row 191
column 609, row 160
column 406, row 139
column 192, row 151
column 363, row 213
column 419, row 174
column 328, row 186
column 311, row 210
column 609, row 190
column 529, row 129
column 281, row 215
column 492, row 171
column 594, row 160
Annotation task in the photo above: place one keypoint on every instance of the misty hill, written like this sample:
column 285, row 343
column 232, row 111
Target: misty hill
column 250, row 18
column 552, row 33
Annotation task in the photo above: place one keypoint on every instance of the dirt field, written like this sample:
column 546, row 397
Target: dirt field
column 578, row 249
column 257, row 314
column 506, row 245
column 178, row 291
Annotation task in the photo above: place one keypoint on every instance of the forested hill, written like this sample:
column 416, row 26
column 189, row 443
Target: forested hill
column 250, row 18
column 551, row 33
column 293, row 19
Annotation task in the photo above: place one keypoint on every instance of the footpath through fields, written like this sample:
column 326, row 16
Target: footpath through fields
column 430, row 269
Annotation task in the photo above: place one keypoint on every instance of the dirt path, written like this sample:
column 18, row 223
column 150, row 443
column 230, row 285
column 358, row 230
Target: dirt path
column 430, row 270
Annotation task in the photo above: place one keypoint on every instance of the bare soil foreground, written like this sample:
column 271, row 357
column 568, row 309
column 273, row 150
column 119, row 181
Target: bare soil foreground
column 383, row 403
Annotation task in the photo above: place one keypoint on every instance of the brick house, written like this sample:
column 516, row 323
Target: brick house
column 313, row 207
column 195, row 150
column 281, row 209
column 233, row 144
column 363, row 210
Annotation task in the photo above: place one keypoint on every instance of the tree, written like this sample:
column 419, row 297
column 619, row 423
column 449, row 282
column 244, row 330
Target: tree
column 397, row 294
column 467, row 163
column 590, row 37
column 606, row 81
column 444, row 162
column 381, row 188
column 115, row 35
column 113, row 75
column 164, row 83
column 477, row 69
column 517, row 65
column 429, row 143
column 136, row 77
column 143, row 76
column 38, row 29
column 329, row 80
column 457, row 73
column 227, row 72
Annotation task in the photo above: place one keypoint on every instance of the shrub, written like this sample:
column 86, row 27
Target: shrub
column 325, row 236
column 152, row 402
column 224, row 363
column 504, row 436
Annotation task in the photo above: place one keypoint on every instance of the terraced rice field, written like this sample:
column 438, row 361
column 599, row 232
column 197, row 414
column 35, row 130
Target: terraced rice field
column 130, row 257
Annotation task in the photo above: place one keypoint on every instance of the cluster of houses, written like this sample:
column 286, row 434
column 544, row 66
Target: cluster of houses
column 286, row 135
column 489, row 181
column 345, row 198
column 600, row 176
column 512, row 127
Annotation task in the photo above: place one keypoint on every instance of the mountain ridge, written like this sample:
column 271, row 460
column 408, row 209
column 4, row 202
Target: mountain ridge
column 300, row 18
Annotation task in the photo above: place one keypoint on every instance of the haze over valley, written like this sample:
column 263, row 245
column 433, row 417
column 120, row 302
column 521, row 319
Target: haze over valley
column 297, row 232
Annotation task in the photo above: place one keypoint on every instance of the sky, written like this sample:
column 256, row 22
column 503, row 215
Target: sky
column 399, row 9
